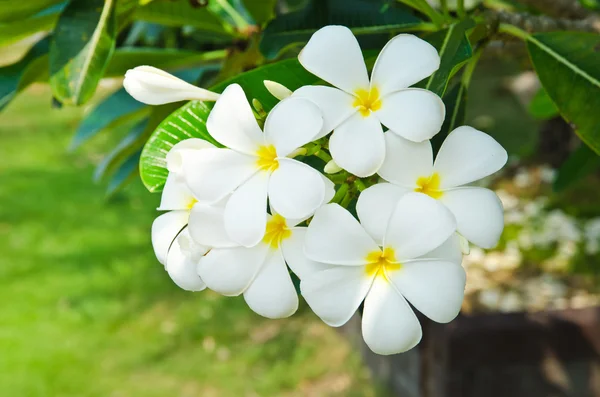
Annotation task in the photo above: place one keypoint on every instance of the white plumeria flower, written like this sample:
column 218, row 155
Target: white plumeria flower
column 255, row 166
column 466, row 156
column 153, row 86
column 356, row 107
column 412, row 255
column 172, row 246
column 259, row 272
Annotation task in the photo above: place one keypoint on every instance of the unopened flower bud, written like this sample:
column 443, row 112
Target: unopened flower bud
column 279, row 91
column 332, row 168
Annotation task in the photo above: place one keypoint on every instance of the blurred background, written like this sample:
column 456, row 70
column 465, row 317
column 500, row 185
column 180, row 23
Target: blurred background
column 88, row 311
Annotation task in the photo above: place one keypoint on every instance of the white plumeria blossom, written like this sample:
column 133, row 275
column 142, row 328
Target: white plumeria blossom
column 254, row 166
column 355, row 107
column 467, row 155
column 413, row 254
column 170, row 238
column 154, row 86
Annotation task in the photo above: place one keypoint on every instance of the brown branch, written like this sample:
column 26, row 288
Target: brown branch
column 541, row 23
column 571, row 9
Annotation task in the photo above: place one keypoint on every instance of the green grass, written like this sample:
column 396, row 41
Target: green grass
column 87, row 311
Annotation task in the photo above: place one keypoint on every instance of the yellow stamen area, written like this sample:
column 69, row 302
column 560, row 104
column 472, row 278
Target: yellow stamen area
column 267, row 158
column 367, row 101
column 380, row 262
column 430, row 185
column 191, row 203
column 277, row 231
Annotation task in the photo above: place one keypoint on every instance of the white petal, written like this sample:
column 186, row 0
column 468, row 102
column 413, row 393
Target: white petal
column 333, row 54
column 406, row 161
column 414, row 114
column 375, row 206
column 335, row 237
column 336, row 105
column 229, row 271
column 419, row 224
column 182, row 264
column 232, row 123
column 449, row 251
column 216, row 173
column 276, row 89
column 329, row 189
column 187, row 147
column 176, row 195
column 389, row 325
column 293, row 253
column 435, row 288
column 479, row 214
column 404, row 61
column 335, row 294
column 272, row 293
column 246, row 211
column 164, row 230
column 207, row 226
column 291, row 124
column 155, row 87
column 468, row 155
column 358, row 145
column 295, row 190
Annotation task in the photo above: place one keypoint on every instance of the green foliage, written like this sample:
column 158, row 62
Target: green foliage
column 568, row 65
column 13, row 32
column 261, row 10
column 580, row 163
column 10, row 11
column 80, row 49
column 361, row 16
column 541, row 106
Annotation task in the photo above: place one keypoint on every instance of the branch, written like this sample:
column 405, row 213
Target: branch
column 571, row 9
column 541, row 23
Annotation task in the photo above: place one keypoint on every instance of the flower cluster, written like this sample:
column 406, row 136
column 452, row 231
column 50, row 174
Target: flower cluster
column 242, row 215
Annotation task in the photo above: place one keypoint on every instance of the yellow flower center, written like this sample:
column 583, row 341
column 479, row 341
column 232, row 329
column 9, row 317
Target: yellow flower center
column 430, row 185
column 191, row 203
column 380, row 262
column 367, row 101
column 267, row 158
column 276, row 231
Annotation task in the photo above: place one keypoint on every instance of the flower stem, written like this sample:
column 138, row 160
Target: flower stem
column 513, row 31
column 322, row 155
column 359, row 185
column 240, row 23
column 460, row 8
column 341, row 193
column 347, row 198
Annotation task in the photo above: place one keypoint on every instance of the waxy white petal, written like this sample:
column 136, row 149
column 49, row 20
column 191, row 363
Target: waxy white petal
column 185, row 148
column 414, row 114
column 389, row 325
column 229, row 271
column 449, row 251
column 153, row 86
column 335, row 294
column 336, row 105
column 246, row 211
column 406, row 161
column 335, row 237
column 435, row 288
column 479, row 214
column 293, row 253
column 176, row 195
column 272, row 293
column 333, row 54
column 405, row 60
column 216, row 173
column 182, row 264
column 207, row 226
column 375, row 206
column 295, row 189
column 358, row 145
column 468, row 155
column 291, row 124
column 232, row 123
column 164, row 230
column 419, row 224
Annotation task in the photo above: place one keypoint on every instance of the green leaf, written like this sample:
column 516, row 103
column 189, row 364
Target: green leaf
column 189, row 120
column 454, row 49
column 568, row 65
column 13, row 32
column 261, row 10
column 361, row 16
column 456, row 105
column 182, row 13
column 541, row 106
column 125, row 173
column 424, row 7
column 80, row 49
column 13, row 10
column 580, row 163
